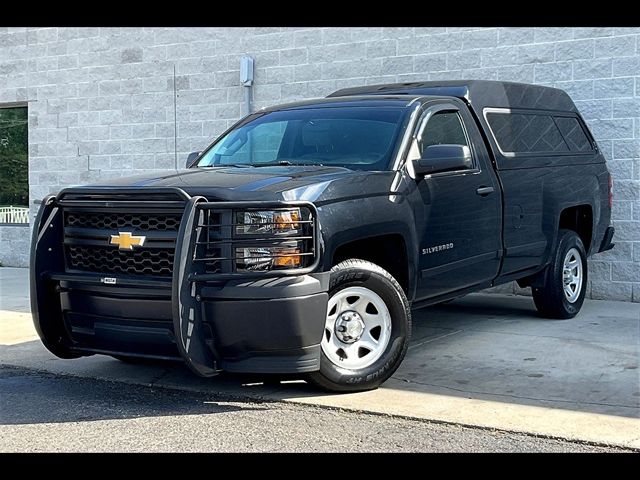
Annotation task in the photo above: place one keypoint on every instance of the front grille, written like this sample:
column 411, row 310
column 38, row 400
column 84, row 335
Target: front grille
column 156, row 262
column 88, row 232
column 91, row 220
column 114, row 221
column 213, row 265
column 212, row 254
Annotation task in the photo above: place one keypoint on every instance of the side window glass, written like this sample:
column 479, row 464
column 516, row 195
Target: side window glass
column 443, row 128
column 573, row 134
column 520, row 133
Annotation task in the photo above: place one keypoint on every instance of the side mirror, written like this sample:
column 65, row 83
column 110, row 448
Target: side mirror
column 443, row 158
column 191, row 158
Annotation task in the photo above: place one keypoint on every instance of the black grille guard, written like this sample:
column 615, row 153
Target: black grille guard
column 47, row 263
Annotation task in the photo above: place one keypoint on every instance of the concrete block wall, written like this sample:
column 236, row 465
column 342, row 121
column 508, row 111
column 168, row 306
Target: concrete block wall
column 101, row 100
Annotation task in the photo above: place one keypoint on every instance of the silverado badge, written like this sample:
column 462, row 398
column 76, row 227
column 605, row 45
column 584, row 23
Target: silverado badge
column 126, row 241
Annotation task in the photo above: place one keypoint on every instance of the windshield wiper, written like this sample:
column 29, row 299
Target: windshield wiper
column 273, row 164
column 287, row 163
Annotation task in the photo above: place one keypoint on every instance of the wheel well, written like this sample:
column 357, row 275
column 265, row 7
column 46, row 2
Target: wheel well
column 580, row 220
column 387, row 251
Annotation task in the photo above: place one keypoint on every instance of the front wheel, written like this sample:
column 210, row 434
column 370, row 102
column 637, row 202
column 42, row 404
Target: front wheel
column 367, row 329
column 565, row 285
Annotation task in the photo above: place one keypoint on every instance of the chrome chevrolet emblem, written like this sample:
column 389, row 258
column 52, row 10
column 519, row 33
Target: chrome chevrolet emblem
column 126, row 241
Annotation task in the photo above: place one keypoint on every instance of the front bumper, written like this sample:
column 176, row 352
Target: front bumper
column 268, row 326
column 262, row 326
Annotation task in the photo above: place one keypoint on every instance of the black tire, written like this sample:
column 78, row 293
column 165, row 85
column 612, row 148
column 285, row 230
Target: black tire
column 550, row 299
column 356, row 272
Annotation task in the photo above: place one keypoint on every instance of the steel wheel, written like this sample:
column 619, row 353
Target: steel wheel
column 562, row 292
column 572, row 275
column 357, row 329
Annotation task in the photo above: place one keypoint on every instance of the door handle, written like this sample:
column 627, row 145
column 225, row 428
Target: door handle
column 484, row 191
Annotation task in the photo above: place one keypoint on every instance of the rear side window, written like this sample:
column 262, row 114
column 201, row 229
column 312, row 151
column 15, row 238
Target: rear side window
column 520, row 133
column 573, row 134
column 526, row 133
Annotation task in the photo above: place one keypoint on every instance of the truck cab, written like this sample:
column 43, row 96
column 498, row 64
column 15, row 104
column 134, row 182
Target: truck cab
column 299, row 240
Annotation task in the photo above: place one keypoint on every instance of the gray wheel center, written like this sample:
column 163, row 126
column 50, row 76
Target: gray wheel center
column 349, row 327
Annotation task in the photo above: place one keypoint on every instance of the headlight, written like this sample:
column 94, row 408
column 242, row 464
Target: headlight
column 270, row 222
column 257, row 238
column 256, row 258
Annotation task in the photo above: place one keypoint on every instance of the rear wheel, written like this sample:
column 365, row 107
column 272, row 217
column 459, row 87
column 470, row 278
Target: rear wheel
column 367, row 328
column 563, row 293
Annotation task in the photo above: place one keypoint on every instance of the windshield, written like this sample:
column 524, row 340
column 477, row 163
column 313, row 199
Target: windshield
column 353, row 137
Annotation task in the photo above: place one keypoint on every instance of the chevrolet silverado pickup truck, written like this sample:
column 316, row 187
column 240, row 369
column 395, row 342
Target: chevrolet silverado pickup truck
column 299, row 241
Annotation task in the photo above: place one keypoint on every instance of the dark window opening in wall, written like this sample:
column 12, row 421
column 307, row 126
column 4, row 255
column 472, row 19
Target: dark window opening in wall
column 14, row 166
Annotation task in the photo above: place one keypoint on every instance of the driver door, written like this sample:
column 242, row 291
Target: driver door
column 460, row 215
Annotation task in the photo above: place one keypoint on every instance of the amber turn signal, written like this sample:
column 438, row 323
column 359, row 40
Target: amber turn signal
column 287, row 258
column 287, row 220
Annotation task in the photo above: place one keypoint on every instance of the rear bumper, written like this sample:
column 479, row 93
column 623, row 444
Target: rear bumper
column 265, row 326
column 606, row 243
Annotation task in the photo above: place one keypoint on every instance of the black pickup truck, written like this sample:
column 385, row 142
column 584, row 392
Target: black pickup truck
column 299, row 241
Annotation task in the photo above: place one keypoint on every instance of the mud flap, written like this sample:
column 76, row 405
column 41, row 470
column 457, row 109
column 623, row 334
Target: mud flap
column 47, row 255
column 189, row 329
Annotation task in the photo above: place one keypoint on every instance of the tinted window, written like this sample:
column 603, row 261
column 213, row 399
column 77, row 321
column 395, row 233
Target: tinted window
column 526, row 133
column 443, row 128
column 573, row 134
column 354, row 137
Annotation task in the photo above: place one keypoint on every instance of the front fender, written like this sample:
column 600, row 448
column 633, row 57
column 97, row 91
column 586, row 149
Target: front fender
column 345, row 222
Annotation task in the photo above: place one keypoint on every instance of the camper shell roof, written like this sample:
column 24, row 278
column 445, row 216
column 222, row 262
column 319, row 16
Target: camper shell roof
column 479, row 94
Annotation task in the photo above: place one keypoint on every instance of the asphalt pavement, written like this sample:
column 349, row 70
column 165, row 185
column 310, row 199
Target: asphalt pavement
column 483, row 361
column 46, row 412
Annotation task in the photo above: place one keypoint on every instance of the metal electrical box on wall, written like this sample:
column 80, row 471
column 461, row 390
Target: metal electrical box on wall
column 246, row 71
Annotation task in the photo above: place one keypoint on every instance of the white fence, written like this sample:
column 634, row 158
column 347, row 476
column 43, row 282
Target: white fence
column 13, row 214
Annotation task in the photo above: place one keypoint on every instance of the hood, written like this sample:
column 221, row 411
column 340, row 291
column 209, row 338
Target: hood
column 307, row 182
